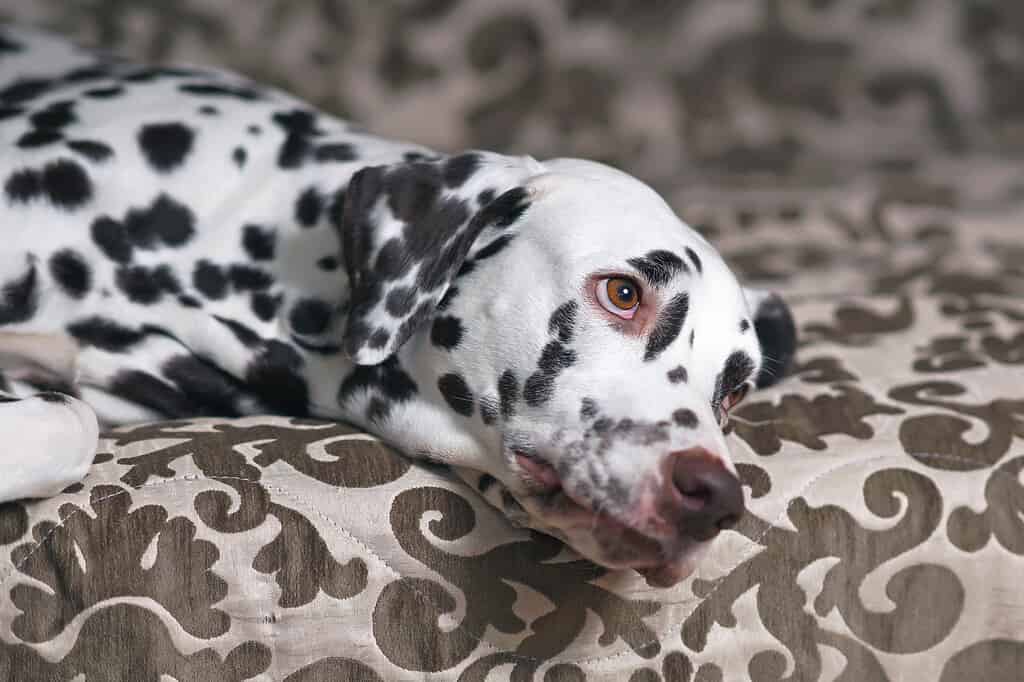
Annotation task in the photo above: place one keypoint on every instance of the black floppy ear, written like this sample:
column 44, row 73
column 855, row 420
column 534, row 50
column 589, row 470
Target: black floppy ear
column 776, row 331
column 407, row 230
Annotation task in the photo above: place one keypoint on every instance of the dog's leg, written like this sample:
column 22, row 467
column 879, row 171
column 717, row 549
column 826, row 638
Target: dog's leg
column 47, row 441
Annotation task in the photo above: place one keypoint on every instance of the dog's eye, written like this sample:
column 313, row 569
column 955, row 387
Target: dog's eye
column 619, row 296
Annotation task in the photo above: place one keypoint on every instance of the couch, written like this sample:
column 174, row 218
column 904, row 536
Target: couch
column 860, row 157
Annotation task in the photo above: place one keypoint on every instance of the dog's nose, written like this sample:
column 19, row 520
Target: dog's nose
column 712, row 498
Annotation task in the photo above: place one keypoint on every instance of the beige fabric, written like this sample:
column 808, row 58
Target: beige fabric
column 884, row 541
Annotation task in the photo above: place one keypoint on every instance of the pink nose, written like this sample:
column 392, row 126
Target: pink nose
column 707, row 498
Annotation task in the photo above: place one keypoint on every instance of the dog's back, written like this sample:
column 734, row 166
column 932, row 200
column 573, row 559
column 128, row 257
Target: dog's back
column 163, row 219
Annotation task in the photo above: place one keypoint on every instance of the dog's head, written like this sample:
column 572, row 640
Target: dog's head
column 556, row 327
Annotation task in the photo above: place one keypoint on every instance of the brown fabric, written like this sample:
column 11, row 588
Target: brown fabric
column 856, row 155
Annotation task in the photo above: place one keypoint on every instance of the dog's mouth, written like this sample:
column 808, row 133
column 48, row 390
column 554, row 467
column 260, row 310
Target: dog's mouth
column 654, row 550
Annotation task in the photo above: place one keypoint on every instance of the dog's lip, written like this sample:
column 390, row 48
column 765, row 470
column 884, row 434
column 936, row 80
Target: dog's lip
column 648, row 555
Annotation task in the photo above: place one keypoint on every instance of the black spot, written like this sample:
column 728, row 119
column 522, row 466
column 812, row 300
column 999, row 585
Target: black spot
column 10, row 112
column 55, row 116
column 254, row 129
column 336, row 208
column 695, row 259
column 460, row 168
column 112, row 239
column 71, row 272
column 248, row 278
column 506, row 209
column 400, row 301
column 87, row 73
column 685, row 418
column 485, row 483
column 246, row 336
column 104, row 333
column 555, row 357
column 210, row 280
column 693, row 335
column 328, row 263
column 456, row 393
column 19, row 298
column 488, row 410
column 588, row 409
column 53, row 397
column 264, row 305
column 299, row 125
column 310, row 316
column 66, row 184
column 149, row 391
column 217, row 90
column 153, row 73
column 678, row 375
column 388, row 378
column 744, row 325
column 737, row 370
column 392, row 260
column 239, row 156
column 146, row 285
column 538, row 389
column 563, row 321
column 9, row 46
column 493, row 248
column 297, row 121
column 189, row 301
column 508, row 393
column 104, row 93
column 38, row 138
column 308, row 207
column 336, row 152
column 165, row 145
column 412, row 191
column 207, row 110
column 23, row 185
column 259, row 242
column 485, row 197
column 666, row 329
column 275, row 376
column 379, row 338
column 166, row 222
column 446, row 332
column 658, row 267
column 211, row 391
column 776, row 332
column 24, row 90
column 293, row 152
column 91, row 149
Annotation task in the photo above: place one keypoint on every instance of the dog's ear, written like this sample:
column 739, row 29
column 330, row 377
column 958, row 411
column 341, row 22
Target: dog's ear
column 776, row 331
column 408, row 229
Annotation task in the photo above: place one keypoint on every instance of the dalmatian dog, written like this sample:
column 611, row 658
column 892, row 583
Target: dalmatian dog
column 179, row 242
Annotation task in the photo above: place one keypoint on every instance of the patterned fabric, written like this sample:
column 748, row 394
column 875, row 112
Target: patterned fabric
column 665, row 89
column 841, row 152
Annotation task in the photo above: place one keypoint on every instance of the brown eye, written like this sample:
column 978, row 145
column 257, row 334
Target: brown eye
column 619, row 296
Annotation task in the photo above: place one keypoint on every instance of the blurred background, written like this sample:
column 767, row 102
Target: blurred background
column 773, row 102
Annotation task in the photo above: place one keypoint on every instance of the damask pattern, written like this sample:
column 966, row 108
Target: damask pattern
column 885, row 533
column 884, row 537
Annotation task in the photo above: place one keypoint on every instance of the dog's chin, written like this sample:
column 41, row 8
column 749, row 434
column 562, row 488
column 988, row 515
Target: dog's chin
column 663, row 560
